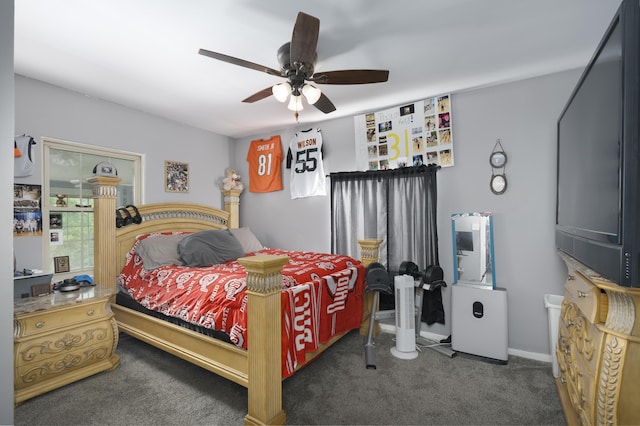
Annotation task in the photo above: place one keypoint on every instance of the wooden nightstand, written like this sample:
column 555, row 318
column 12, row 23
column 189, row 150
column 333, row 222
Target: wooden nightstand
column 60, row 338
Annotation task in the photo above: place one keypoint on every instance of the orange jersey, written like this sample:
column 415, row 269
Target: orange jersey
column 264, row 158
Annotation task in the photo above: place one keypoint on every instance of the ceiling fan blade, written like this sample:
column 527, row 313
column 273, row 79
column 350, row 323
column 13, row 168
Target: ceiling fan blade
column 258, row 96
column 304, row 39
column 351, row 77
column 240, row 62
column 324, row 104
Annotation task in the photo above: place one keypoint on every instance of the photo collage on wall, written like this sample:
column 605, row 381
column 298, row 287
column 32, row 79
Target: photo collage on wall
column 27, row 214
column 409, row 135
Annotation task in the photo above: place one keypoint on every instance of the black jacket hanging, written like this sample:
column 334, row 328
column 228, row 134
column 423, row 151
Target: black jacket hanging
column 432, row 308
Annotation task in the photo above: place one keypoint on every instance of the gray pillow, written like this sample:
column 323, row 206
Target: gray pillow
column 247, row 240
column 159, row 250
column 207, row 248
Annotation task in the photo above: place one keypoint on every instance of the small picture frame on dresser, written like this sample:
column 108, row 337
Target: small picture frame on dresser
column 61, row 264
column 38, row 290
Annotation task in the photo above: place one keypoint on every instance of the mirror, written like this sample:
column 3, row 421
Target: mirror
column 473, row 260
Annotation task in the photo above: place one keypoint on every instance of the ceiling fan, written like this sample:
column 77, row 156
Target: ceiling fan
column 297, row 64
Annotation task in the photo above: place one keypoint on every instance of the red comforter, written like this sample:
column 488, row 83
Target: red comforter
column 321, row 297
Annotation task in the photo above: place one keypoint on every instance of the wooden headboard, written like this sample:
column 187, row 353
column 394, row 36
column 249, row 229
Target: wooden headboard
column 163, row 217
column 111, row 244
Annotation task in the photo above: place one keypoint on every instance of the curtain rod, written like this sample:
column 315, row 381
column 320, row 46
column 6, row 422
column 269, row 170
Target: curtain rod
column 371, row 174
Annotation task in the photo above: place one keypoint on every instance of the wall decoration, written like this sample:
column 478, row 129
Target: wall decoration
column 498, row 160
column 55, row 220
column 409, row 135
column 56, row 237
column 27, row 215
column 61, row 264
column 176, row 176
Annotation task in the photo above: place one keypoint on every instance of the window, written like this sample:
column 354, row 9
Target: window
column 67, row 198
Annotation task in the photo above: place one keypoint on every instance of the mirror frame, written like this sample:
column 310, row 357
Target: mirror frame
column 498, row 184
column 498, row 159
column 487, row 229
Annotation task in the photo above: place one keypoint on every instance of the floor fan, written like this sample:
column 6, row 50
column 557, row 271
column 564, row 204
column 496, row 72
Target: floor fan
column 408, row 308
column 405, row 318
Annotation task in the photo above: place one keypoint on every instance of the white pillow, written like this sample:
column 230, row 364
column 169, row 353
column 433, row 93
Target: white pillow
column 247, row 240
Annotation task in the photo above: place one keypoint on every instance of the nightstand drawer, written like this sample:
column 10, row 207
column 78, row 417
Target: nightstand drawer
column 36, row 372
column 44, row 322
column 34, row 350
column 584, row 294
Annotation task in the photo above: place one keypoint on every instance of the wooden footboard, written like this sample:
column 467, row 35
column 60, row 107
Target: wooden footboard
column 259, row 368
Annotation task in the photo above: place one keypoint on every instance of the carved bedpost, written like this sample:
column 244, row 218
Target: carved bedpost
column 105, row 192
column 264, row 334
column 369, row 253
column 232, row 205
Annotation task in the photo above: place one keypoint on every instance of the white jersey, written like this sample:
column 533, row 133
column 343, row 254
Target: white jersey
column 307, row 171
column 23, row 165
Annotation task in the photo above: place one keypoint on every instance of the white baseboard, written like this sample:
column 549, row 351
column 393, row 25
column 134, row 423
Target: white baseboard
column 391, row 328
column 530, row 355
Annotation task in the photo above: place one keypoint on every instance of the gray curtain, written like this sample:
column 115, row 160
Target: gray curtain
column 398, row 207
column 358, row 211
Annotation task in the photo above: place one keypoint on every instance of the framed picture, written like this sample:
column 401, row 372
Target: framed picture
column 176, row 176
column 56, row 237
column 55, row 220
column 61, row 264
column 27, row 215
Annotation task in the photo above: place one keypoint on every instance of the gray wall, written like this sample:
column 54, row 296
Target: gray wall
column 6, row 212
column 45, row 110
column 523, row 115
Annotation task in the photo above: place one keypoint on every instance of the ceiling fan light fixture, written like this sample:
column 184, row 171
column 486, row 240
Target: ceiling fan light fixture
column 312, row 93
column 281, row 91
column 295, row 103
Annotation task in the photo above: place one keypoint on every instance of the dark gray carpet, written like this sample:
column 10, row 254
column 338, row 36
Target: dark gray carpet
column 154, row 388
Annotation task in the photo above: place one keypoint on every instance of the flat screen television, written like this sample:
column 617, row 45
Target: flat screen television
column 597, row 214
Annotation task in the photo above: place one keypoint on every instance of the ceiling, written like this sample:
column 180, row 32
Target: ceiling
column 144, row 53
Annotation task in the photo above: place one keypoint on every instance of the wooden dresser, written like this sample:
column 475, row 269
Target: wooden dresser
column 598, row 349
column 61, row 338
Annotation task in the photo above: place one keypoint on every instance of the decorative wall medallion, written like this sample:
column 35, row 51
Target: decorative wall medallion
column 498, row 160
column 498, row 184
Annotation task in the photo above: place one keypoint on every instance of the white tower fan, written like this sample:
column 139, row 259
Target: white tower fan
column 405, row 318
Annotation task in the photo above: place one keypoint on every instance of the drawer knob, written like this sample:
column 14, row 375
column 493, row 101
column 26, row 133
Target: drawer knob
column 40, row 324
column 563, row 380
column 582, row 294
column 570, row 278
column 90, row 312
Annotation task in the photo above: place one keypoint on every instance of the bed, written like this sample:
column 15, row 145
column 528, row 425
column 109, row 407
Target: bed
column 259, row 367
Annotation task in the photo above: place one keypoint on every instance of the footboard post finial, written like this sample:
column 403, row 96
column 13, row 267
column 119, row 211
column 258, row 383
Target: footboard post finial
column 369, row 253
column 264, row 337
